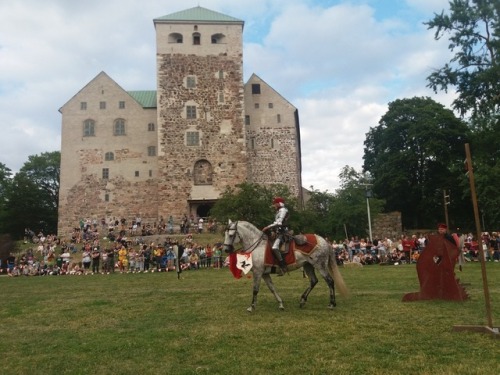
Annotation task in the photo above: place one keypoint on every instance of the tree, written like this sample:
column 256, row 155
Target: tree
column 473, row 27
column 252, row 202
column 5, row 181
column 349, row 209
column 44, row 172
column 413, row 154
column 32, row 196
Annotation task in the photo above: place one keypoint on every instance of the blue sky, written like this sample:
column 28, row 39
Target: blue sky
column 339, row 62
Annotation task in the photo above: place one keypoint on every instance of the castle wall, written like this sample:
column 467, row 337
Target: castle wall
column 273, row 141
column 217, row 96
column 84, row 191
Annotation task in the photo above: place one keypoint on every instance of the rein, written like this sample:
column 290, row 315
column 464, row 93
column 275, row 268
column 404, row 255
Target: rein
column 252, row 247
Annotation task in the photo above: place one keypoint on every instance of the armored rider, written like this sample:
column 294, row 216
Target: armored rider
column 280, row 227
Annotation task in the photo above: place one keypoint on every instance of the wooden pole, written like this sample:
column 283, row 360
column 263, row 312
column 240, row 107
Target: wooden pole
column 489, row 328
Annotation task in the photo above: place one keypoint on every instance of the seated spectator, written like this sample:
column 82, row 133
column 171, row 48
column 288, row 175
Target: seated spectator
column 193, row 260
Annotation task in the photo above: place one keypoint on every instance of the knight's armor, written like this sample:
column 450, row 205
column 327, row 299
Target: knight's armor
column 280, row 227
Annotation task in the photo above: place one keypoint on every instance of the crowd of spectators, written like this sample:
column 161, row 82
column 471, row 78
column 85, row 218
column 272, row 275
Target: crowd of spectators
column 113, row 246
column 407, row 249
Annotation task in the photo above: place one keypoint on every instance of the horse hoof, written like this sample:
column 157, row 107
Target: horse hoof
column 331, row 307
column 281, row 308
column 250, row 309
column 302, row 304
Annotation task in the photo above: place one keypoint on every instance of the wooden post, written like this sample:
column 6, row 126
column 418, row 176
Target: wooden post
column 489, row 328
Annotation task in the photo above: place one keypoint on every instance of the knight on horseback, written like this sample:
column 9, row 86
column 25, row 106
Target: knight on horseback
column 280, row 227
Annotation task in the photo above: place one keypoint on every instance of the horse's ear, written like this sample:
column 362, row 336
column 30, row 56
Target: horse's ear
column 229, row 221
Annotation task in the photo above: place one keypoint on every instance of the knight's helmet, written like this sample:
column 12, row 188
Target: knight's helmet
column 279, row 200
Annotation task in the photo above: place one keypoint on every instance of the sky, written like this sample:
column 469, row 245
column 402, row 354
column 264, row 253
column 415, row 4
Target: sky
column 339, row 62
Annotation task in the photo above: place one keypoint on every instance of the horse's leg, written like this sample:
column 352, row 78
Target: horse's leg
column 270, row 285
column 313, row 280
column 256, row 286
column 331, row 285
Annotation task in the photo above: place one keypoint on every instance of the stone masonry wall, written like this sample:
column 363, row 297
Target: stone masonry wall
column 223, row 148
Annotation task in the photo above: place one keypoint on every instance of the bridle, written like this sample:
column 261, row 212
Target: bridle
column 230, row 246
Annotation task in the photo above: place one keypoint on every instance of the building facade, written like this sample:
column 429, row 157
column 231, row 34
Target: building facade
column 172, row 151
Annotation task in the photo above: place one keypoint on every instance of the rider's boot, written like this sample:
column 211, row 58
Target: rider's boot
column 281, row 261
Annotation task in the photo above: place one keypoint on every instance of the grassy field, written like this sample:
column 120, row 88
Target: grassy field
column 157, row 324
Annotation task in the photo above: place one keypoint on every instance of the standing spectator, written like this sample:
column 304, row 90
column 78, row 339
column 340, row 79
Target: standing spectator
column 96, row 258
column 209, row 253
column 217, row 257
column 203, row 258
column 170, row 259
column 407, row 245
column 86, row 260
column 139, row 266
column 122, row 259
column 170, row 225
column 200, row 225
column 132, row 260
column 147, row 257
column 157, row 253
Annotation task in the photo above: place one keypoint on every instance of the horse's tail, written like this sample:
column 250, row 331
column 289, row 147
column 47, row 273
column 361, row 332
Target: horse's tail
column 336, row 275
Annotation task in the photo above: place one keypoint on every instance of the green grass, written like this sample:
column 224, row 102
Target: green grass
column 157, row 324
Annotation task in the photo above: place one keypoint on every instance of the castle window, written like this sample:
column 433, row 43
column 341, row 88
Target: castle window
column 221, row 74
column 136, row 173
column 119, row 127
column 191, row 82
column 256, row 105
column 102, row 105
column 151, row 151
column 278, row 118
column 192, row 139
column 106, row 197
column 88, row 128
column 105, row 173
column 221, row 97
column 256, row 88
column 83, row 106
column 121, row 104
column 196, row 38
column 151, row 127
column 203, row 173
column 175, row 38
column 191, row 112
column 108, row 156
column 218, row 38
column 247, row 120
column 270, row 105
column 150, row 173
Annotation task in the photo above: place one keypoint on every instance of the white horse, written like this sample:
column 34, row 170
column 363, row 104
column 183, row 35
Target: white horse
column 321, row 258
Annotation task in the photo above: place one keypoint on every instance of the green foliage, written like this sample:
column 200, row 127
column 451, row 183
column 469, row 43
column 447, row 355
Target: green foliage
column 5, row 181
column 31, row 197
column 412, row 155
column 324, row 213
column 473, row 29
column 253, row 203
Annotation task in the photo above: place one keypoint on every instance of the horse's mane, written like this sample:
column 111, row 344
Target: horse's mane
column 251, row 227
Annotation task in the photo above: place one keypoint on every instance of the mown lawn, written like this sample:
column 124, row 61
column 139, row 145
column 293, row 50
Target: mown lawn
column 157, row 324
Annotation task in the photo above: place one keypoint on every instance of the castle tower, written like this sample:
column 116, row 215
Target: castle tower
column 201, row 139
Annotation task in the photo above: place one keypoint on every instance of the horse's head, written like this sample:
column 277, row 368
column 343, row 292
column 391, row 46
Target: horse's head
column 231, row 236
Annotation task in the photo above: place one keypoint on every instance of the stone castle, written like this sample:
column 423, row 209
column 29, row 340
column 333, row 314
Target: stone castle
column 174, row 150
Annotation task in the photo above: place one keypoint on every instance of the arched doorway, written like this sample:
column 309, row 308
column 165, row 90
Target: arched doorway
column 203, row 210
